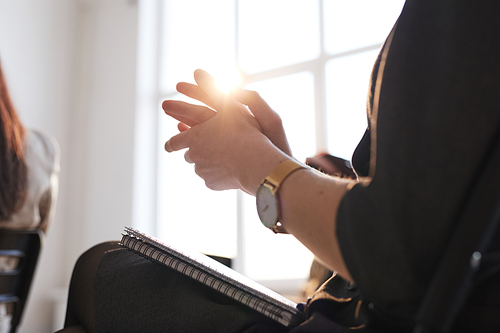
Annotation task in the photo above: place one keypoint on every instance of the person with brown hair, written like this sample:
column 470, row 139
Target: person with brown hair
column 14, row 173
column 29, row 168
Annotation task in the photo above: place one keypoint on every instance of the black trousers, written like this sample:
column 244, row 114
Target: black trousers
column 132, row 294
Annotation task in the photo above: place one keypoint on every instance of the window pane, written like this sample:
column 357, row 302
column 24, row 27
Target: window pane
column 277, row 33
column 270, row 256
column 347, row 81
column 188, row 212
column 196, row 34
column 355, row 24
column 292, row 97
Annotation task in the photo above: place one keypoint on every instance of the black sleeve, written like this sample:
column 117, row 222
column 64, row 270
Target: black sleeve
column 438, row 109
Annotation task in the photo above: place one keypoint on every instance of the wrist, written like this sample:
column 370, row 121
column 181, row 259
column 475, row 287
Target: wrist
column 261, row 163
column 268, row 198
column 251, row 181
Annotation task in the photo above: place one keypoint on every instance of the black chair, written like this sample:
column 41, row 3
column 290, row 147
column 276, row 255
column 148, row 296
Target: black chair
column 15, row 283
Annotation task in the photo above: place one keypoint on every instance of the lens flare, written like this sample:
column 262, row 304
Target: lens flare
column 228, row 80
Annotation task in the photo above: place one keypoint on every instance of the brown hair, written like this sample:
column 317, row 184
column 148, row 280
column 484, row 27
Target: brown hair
column 13, row 169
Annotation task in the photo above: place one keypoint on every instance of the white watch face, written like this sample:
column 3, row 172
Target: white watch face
column 266, row 206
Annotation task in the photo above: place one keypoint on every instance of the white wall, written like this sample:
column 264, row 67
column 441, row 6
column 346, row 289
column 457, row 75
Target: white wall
column 71, row 69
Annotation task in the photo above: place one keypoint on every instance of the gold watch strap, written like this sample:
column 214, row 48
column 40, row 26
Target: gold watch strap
column 283, row 170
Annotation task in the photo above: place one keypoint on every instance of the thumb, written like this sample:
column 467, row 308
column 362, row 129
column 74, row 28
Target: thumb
column 257, row 105
column 269, row 120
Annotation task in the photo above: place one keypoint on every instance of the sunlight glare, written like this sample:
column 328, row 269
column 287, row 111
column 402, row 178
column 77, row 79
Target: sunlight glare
column 227, row 80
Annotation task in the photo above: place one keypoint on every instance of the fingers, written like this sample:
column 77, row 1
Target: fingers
column 182, row 127
column 269, row 120
column 186, row 157
column 258, row 106
column 207, row 84
column 177, row 142
column 252, row 99
column 183, row 120
column 189, row 114
column 195, row 92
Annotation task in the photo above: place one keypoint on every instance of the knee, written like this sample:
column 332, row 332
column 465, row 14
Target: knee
column 87, row 264
column 98, row 250
column 80, row 299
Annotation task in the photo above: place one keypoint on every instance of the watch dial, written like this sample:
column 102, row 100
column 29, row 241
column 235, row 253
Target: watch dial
column 266, row 206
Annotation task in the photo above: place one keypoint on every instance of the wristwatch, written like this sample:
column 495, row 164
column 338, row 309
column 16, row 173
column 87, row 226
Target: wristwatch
column 268, row 205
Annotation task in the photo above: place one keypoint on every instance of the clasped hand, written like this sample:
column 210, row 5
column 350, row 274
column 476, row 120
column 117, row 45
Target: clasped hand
column 231, row 146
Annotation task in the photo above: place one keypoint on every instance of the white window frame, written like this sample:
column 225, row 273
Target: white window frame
column 149, row 98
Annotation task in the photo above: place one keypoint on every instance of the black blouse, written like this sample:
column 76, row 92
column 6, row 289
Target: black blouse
column 437, row 110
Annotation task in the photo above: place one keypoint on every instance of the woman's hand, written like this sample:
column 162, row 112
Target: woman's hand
column 227, row 146
column 269, row 121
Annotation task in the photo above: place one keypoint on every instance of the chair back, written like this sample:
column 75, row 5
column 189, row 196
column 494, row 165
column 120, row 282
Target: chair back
column 22, row 248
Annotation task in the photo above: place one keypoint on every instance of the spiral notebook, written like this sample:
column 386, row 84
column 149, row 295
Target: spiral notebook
column 215, row 275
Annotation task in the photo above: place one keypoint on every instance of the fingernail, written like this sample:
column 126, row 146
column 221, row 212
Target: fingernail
column 167, row 146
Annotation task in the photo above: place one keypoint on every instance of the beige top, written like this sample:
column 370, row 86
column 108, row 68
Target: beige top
column 42, row 160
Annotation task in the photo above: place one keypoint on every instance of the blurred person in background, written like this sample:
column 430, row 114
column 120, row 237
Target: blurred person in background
column 29, row 168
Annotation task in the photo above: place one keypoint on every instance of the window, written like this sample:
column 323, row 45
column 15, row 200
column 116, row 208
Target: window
column 311, row 61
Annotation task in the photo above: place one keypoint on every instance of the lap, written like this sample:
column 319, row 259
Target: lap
column 132, row 294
